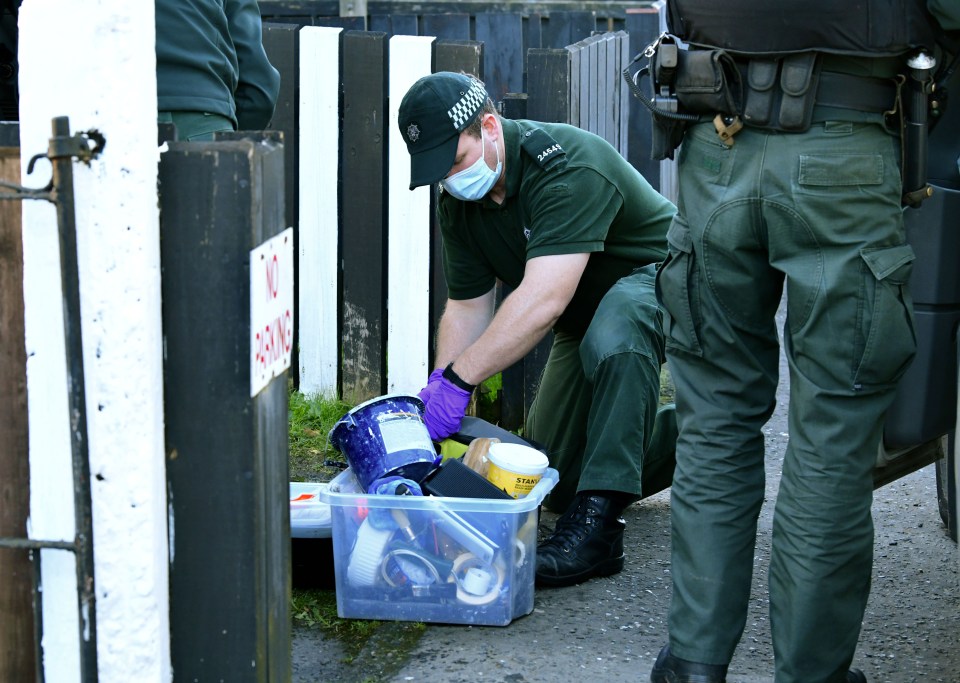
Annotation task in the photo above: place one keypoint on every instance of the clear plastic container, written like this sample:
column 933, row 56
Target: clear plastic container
column 309, row 516
column 431, row 558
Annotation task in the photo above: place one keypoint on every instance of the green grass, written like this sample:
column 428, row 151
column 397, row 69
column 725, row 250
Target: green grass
column 318, row 609
column 311, row 419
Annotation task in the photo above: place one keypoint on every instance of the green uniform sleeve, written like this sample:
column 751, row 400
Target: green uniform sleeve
column 258, row 83
column 571, row 213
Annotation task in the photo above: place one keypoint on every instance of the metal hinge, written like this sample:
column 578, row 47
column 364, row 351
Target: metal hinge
column 77, row 146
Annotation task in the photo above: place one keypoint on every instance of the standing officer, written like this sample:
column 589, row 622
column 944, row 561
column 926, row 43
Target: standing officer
column 556, row 213
column 807, row 193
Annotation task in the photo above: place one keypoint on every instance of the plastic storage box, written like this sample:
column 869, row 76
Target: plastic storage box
column 431, row 558
column 309, row 516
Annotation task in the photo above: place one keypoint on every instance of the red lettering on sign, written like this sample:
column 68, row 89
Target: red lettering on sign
column 275, row 340
column 273, row 278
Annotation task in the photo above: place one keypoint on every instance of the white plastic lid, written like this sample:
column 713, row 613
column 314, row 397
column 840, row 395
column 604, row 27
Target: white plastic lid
column 517, row 458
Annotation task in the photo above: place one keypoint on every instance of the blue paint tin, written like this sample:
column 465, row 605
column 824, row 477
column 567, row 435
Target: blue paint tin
column 385, row 436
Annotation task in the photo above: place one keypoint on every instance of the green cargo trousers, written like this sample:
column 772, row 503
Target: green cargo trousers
column 597, row 401
column 819, row 211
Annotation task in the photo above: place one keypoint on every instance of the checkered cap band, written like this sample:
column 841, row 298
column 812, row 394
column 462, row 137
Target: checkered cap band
column 466, row 108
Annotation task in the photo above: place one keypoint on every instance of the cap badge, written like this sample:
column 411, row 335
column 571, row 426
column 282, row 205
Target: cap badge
column 413, row 132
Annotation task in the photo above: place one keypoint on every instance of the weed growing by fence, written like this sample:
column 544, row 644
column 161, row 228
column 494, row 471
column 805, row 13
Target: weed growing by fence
column 318, row 609
column 311, row 419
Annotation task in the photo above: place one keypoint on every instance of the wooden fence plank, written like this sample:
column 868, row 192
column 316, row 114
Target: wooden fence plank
column 532, row 36
column 363, row 215
column 643, row 25
column 548, row 95
column 511, row 390
column 282, row 45
column 581, row 78
column 291, row 19
column 565, row 28
column 318, row 276
column 502, row 36
column 598, row 51
column 381, row 23
column 611, row 76
column 459, row 55
column 17, row 655
column 346, row 23
column 446, row 26
column 408, row 280
column 608, row 103
column 592, row 94
column 308, row 9
column 281, row 42
column 394, row 24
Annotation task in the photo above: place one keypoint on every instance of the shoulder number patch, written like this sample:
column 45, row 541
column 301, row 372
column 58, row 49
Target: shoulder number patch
column 545, row 154
column 543, row 147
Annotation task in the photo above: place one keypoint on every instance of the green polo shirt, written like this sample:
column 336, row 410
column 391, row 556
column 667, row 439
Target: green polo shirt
column 567, row 192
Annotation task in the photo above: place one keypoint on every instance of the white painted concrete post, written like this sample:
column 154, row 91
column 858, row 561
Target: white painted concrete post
column 319, row 167
column 95, row 63
column 408, row 280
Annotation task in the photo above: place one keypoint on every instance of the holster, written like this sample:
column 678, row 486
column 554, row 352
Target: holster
column 666, row 136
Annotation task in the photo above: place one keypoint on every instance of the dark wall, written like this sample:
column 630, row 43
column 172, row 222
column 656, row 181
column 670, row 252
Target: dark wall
column 9, row 96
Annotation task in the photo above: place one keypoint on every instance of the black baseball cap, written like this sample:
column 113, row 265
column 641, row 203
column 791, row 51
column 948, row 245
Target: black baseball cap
column 432, row 114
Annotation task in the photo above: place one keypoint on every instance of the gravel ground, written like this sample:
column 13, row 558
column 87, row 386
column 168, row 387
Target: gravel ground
column 611, row 629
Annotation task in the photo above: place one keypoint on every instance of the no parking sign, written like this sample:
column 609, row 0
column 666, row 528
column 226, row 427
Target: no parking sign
column 271, row 309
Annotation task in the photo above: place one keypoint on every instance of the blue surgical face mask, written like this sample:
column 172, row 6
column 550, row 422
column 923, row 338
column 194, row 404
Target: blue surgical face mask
column 472, row 184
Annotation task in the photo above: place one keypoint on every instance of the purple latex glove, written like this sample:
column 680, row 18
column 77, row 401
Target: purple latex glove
column 432, row 383
column 446, row 407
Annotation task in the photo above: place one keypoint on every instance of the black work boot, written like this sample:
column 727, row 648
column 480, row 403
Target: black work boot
column 670, row 669
column 856, row 676
column 587, row 542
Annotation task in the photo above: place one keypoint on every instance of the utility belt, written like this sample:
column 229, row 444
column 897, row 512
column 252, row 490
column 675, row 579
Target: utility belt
column 785, row 93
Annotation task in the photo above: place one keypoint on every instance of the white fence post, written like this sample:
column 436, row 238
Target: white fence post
column 319, row 167
column 106, row 82
column 408, row 288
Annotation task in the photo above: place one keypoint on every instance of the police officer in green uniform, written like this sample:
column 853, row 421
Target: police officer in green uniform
column 807, row 195
column 558, row 215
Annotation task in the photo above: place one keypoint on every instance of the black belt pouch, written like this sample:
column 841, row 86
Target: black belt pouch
column 708, row 82
column 761, row 95
column 798, row 81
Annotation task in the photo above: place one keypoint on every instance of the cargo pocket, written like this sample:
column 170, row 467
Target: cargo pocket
column 886, row 335
column 677, row 291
